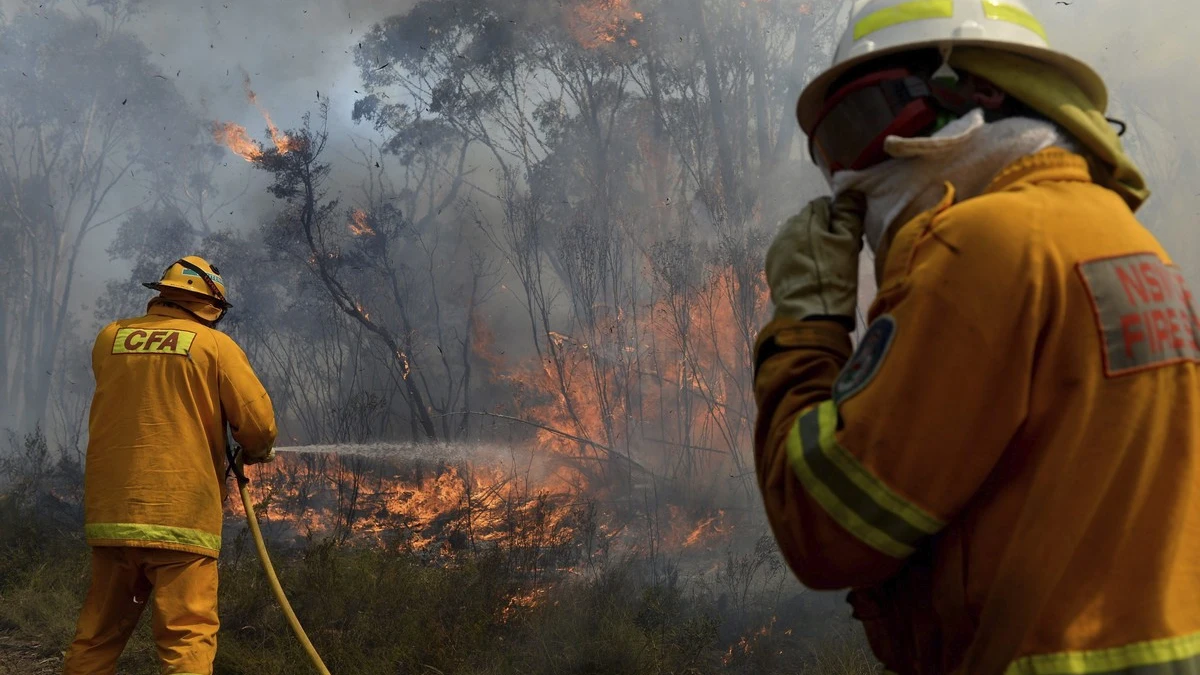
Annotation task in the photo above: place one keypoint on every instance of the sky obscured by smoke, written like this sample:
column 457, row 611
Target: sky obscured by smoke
column 1147, row 57
column 290, row 49
column 293, row 51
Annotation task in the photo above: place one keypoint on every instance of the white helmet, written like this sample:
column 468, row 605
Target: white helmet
column 882, row 27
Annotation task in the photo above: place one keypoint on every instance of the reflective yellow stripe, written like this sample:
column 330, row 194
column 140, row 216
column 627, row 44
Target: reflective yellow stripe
column 1169, row 656
column 159, row 533
column 915, row 10
column 852, row 496
column 868, row 483
column 999, row 11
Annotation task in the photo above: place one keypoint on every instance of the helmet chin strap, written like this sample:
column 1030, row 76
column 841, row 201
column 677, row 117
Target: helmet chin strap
column 221, row 303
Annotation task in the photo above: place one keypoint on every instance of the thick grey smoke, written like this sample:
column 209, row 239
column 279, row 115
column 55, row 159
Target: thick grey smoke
column 291, row 50
column 299, row 54
column 294, row 53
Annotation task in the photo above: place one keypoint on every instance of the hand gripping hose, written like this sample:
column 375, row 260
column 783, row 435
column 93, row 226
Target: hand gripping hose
column 235, row 467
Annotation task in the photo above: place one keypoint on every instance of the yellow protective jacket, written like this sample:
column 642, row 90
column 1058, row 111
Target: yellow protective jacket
column 1007, row 469
column 166, row 385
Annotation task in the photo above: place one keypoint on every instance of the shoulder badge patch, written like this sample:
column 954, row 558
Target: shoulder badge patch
column 867, row 359
column 1146, row 316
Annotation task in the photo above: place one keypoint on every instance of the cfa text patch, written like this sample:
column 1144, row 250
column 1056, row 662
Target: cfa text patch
column 138, row 341
column 1146, row 314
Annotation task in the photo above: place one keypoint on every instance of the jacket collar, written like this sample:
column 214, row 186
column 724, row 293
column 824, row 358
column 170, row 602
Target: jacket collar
column 1053, row 164
column 160, row 307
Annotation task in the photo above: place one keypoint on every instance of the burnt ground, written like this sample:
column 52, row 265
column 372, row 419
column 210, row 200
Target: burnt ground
column 27, row 658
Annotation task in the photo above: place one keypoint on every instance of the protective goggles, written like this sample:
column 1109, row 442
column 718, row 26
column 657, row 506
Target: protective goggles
column 858, row 118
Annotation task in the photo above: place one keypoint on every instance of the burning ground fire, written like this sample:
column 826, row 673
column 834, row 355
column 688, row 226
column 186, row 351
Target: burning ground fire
column 749, row 644
column 448, row 509
column 358, row 224
column 594, row 23
column 440, row 508
column 234, row 136
column 581, row 489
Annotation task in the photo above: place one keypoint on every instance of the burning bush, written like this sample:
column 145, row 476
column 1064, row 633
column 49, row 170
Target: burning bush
column 397, row 498
column 547, row 586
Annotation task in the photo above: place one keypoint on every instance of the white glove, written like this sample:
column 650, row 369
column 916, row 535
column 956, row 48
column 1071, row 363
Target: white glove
column 812, row 266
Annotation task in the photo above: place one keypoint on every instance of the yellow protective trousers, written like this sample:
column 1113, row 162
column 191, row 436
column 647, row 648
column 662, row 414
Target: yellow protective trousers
column 183, row 589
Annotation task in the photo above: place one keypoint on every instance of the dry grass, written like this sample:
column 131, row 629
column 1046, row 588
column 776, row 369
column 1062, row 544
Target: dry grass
column 374, row 610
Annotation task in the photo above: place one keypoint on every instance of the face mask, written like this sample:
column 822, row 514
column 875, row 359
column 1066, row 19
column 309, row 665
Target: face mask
column 968, row 153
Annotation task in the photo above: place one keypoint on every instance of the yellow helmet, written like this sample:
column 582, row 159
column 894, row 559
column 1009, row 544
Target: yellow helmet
column 194, row 275
column 880, row 28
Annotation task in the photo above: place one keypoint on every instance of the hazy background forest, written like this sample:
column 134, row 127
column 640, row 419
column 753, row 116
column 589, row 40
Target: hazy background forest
column 498, row 263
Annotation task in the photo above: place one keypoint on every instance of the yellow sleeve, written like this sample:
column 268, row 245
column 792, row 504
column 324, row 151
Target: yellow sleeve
column 797, row 364
column 245, row 402
column 921, row 413
column 101, row 348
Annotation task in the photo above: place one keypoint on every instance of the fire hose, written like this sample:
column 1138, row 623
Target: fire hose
column 238, row 471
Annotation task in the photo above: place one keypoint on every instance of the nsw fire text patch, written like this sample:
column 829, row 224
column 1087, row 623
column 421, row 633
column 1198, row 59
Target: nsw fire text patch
column 1144, row 311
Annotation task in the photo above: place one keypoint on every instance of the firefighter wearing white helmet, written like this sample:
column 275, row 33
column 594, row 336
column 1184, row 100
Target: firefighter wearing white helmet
column 882, row 27
column 1003, row 471
column 167, row 384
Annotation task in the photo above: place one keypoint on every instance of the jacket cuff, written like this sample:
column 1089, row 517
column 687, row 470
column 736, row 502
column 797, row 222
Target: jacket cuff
column 782, row 335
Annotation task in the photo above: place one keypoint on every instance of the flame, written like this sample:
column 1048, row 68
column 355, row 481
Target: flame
column 522, row 601
column 362, row 310
column 704, row 375
column 234, row 136
column 439, row 509
column 594, row 23
column 404, row 364
column 747, row 643
column 282, row 143
column 711, row 528
column 435, row 509
column 685, row 364
column 358, row 223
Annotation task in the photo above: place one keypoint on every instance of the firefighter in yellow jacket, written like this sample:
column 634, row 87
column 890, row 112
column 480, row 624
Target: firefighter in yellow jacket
column 1006, row 471
column 167, row 384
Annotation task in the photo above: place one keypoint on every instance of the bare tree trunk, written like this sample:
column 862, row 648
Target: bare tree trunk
column 347, row 304
column 762, row 117
column 716, row 105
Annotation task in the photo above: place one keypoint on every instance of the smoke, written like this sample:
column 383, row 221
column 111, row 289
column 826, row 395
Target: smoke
column 1146, row 61
column 296, row 56
column 293, row 55
column 290, row 50
column 607, row 365
column 202, row 52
